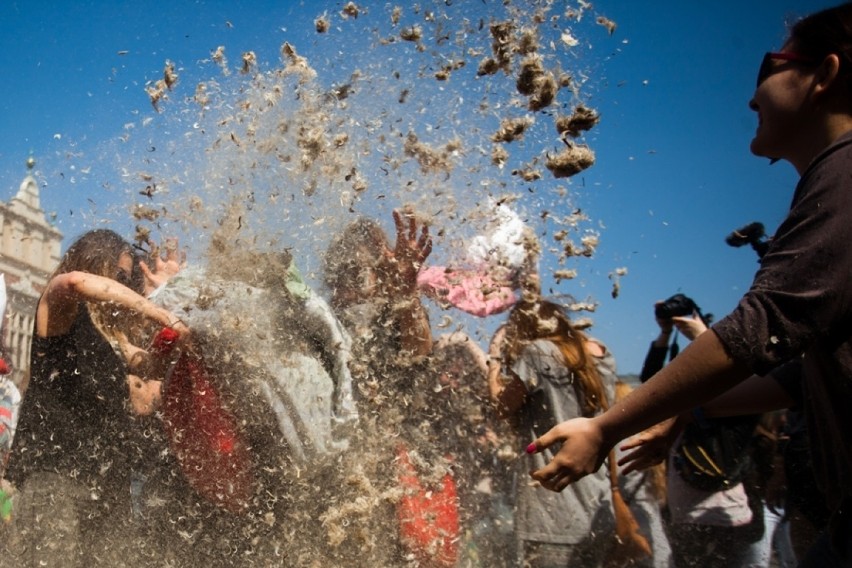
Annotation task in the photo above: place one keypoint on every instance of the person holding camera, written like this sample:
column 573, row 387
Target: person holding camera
column 677, row 314
column 707, row 517
column 799, row 306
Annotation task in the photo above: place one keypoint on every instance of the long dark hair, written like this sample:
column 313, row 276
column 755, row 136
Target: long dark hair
column 825, row 32
column 95, row 252
column 542, row 319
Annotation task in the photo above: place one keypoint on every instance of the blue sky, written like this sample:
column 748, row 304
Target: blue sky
column 673, row 174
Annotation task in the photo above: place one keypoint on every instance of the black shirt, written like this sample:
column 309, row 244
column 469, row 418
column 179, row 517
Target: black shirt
column 75, row 418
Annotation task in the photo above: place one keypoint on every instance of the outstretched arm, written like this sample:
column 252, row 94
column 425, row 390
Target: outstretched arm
column 701, row 372
column 755, row 395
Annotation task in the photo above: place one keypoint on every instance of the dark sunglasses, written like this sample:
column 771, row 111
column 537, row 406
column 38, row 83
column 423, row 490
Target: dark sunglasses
column 766, row 67
column 124, row 277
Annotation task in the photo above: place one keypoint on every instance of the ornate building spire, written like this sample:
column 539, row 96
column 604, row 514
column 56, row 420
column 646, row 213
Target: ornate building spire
column 28, row 192
column 29, row 251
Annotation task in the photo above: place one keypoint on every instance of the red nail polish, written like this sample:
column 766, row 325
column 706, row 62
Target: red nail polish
column 531, row 449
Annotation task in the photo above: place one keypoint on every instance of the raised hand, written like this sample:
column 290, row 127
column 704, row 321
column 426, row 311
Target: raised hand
column 165, row 265
column 398, row 268
column 690, row 327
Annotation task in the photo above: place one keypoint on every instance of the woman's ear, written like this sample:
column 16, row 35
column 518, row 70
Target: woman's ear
column 827, row 74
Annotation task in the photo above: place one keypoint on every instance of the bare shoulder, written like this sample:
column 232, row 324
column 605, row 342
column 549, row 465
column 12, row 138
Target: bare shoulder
column 595, row 348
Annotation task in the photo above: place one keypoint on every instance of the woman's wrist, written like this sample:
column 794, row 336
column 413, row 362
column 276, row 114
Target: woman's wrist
column 168, row 320
column 610, row 433
column 662, row 340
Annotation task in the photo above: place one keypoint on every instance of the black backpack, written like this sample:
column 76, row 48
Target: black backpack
column 714, row 454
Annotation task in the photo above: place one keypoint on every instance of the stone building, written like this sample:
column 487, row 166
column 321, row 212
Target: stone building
column 29, row 251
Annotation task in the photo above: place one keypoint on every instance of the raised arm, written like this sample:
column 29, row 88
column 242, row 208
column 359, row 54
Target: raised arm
column 755, row 395
column 398, row 278
column 58, row 306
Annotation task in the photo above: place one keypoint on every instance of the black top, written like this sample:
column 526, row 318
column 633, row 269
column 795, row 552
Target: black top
column 654, row 361
column 75, row 417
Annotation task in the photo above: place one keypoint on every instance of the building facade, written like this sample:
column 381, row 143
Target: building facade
column 29, row 252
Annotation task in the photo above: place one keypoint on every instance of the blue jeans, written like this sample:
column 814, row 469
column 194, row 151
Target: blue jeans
column 776, row 538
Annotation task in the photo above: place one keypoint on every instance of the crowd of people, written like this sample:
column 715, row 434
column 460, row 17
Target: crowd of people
column 231, row 415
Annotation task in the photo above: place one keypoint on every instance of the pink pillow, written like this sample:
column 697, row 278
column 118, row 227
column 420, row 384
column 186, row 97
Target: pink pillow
column 468, row 290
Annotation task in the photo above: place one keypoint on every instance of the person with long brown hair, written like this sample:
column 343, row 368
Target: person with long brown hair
column 542, row 371
column 372, row 282
column 75, row 446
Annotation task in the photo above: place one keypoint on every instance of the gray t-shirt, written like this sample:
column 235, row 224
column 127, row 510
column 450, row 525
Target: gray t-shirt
column 584, row 507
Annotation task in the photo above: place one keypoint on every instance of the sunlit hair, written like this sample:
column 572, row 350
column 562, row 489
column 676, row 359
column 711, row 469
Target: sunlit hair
column 98, row 252
column 359, row 244
column 532, row 320
column 826, row 32
column 95, row 252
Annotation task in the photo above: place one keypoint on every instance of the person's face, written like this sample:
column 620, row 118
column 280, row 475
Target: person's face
column 780, row 101
column 360, row 281
column 124, row 274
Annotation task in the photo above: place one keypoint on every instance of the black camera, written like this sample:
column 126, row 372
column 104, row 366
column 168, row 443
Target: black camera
column 677, row 305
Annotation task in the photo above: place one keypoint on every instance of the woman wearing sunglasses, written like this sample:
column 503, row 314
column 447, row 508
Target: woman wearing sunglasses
column 798, row 309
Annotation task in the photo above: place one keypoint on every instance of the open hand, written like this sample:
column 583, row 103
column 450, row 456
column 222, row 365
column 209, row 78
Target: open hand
column 690, row 327
column 583, row 451
column 166, row 265
column 399, row 266
column 651, row 446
